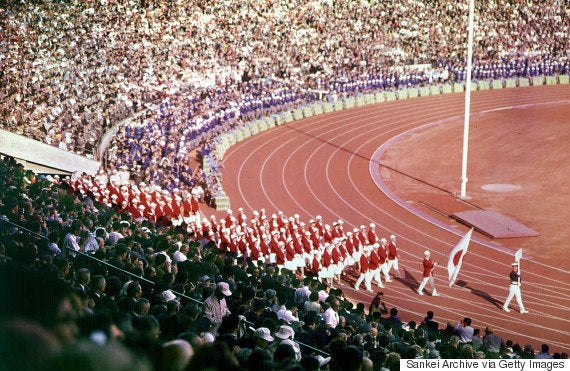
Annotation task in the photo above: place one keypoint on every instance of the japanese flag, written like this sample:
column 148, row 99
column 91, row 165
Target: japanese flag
column 456, row 257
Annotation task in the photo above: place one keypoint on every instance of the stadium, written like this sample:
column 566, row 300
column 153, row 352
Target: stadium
column 179, row 179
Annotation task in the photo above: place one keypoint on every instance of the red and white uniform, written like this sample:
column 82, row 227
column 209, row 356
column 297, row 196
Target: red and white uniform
column 374, row 264
column 428, row 266
column 364, row 274
column 392, row 256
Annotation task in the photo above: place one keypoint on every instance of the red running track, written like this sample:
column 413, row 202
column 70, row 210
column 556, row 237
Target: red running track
column 384, row 163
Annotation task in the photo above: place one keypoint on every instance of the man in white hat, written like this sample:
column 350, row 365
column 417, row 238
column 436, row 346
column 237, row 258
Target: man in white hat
column 514, row 289
column 263, row 337
column 285, row 335
column 215, row 307
column 429, row 265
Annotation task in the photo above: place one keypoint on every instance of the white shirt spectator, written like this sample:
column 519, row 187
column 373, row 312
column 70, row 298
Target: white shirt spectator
column 286, row 315
column 331, row 315
column 179, row 256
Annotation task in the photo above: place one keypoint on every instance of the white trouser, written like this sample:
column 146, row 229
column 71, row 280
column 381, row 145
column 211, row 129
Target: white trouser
column 514, row 290
column 367, row 278
column 425, row 281
column 385, row 270
column 393, row 264
column 375, row 274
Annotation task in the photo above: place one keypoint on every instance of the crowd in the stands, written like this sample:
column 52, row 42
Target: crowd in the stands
column 196, row 69
column 84, row 284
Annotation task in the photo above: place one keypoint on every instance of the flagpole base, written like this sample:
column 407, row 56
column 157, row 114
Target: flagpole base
column 461, row 196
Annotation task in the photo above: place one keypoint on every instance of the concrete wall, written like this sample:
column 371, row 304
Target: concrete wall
column 42, row 157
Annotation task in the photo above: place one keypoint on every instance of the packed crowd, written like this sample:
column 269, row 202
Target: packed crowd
column 70, row 70
column 83, row 284
column 196, row 120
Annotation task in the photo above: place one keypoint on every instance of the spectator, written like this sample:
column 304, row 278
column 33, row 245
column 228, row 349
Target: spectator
column 331, row 314
column 377, row 305
column 215, row 307
column 465, row 331
column 544, row 352
column 431, row 325
column 134, row 292
column 450, row 350
column 527, row 352
column 446, row 333
column 263, row 338
column 285, row 335
column 493, row 343
column 177, row 354
column 214, row 356
column 477, row 339
column 313, row 305
column 394, row 323
column 71, row 240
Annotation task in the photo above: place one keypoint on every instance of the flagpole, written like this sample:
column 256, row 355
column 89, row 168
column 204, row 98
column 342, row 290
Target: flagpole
column 467, row 101
column 518, row 256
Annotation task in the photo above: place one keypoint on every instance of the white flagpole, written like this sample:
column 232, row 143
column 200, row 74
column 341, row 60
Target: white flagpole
column 467, row 101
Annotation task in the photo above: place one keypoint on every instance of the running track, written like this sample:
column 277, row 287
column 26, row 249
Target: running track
column 329, row 165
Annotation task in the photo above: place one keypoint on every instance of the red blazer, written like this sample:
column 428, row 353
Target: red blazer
column 274, row 244
column 349, row 247
column 176, row 209
column 195, row 205
column 363, row 264
column 187, row 208
column 362, row 237
column 232, row 246
column 327, row 237
column 315, row 266
column 326, row 259
column 337, row 232
column 356, row 242
column 213, row 225
column 382, row 254
column 428, row 267
column 254, row 252
column 392, row 252
column 315, row 239
column 289, row 252
column 299, row 247
column 306, row 244
column 374, row 261
column 264, row 247
column 372, row 237
column 242, row 246
column 279, row 256
column 342, row 252
column 336, row 256
column 229, row 220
